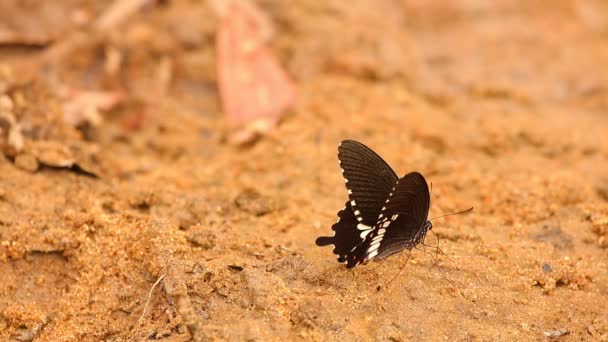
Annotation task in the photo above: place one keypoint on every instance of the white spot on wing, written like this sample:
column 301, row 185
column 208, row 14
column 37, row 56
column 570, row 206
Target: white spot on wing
column 360, row 219
column 362, row 226
column 386, row 224
column 394, row 217
column 372, row 254
column 353, row 203
column 377, row 239
column 357, row 212
column 364, row 233
column 373, row 246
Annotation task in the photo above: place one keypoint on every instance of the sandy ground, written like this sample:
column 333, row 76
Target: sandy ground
column 501, row 105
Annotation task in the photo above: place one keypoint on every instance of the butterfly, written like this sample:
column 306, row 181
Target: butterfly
column 384, row 214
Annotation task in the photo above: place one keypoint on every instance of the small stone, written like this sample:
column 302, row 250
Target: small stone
column 25, row 335
column 6, row 104
column 547, row 268
column 201, row 238
column 251, row 201
column 15, row 138
column 556, row 333
column 27, row 162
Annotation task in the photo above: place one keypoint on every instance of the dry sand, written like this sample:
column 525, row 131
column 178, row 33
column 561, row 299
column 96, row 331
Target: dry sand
column 501, row 105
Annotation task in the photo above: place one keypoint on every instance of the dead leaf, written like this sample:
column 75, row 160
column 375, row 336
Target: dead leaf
column 255, row 90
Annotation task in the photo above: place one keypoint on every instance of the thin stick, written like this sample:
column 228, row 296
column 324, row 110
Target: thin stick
column 143, row 314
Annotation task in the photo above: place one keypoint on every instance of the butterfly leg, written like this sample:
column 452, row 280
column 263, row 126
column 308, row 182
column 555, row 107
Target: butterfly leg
column 436, row 263
column 409, row 255
column 435, row 259
column 439, row 250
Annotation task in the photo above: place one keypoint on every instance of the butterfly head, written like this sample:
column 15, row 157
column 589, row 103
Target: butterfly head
column 428, row 226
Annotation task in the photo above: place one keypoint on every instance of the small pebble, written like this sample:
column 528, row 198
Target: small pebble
column 556, row 333
column 27, row 162
column 6, row 104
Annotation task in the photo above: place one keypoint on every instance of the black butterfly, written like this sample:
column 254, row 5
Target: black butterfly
column 384, row 215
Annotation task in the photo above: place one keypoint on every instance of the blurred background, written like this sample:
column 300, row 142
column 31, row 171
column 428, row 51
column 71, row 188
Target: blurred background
column 165, row 167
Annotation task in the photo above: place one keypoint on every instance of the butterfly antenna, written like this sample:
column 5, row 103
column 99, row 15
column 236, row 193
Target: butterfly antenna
column 396, row 275
column 456, row 213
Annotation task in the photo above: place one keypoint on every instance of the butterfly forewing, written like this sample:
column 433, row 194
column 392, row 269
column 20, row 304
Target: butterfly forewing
column 402, row 222
column 368, row 179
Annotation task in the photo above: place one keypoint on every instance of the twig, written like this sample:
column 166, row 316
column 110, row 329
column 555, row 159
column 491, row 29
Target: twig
column 143, row 314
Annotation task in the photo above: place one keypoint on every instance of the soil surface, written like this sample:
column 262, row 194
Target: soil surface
column 126, row 215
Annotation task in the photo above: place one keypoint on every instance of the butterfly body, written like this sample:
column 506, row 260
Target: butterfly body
column 384, row 214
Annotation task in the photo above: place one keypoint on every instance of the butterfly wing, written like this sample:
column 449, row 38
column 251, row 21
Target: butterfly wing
column 402, row 222
column 368, row 179
column 346, row 234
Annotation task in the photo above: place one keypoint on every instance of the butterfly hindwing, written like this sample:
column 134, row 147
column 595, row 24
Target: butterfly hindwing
column 402, row 222
column 368, row 179
column 346, row 234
